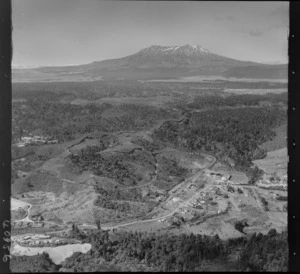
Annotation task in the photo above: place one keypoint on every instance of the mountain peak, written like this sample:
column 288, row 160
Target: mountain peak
column 194, row 48
column 169, row 50
column 157, row 62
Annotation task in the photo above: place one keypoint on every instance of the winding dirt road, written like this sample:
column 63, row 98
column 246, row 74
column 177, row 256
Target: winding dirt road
column 67, row 152
column 170, row 213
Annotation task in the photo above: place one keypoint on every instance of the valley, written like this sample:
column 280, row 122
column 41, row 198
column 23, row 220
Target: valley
column 147, row 136
column 151, row 165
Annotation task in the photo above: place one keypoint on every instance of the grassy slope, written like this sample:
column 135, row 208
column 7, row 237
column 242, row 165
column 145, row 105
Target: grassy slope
column 279, row 141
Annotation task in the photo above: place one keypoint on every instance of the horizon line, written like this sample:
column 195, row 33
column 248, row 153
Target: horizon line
column 20, row 66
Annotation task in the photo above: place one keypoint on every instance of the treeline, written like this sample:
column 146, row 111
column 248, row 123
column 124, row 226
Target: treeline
column 266, row 252
column 125, row 203
column 246, row 85
column 147, row 145
column 27, row 264
column 91, row 90
column 168, row 252
column 226, row 133
column 125, row 88
column 105, row 202
column 66, row 121
column 113, row 167
column 119, row 194
column 238, row 100
column 142, row 251
column 170, row 173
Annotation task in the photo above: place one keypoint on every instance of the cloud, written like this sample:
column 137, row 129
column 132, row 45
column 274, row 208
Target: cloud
column 283, row 29
column 255, row 32
column 226, row 18
column 277, row 27
column 283, row 10
column 264, row 31
column 252, row 32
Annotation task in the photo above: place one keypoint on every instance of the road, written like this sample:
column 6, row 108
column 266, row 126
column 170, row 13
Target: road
column 149, row 220
column 148, row 132
column 26, row 218
column 119, row 188
column 161, row 217
column 67, row 152
column 169, row 198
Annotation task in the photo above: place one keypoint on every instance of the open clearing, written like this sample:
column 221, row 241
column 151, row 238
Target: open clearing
column 213, row 78
column 275, row 162
column 280, row 140
column 57, row 254
column 216, row 226
column 256, row 91
column 199, row 200
column 158, row 101
column 15, row 204
column 173, row 190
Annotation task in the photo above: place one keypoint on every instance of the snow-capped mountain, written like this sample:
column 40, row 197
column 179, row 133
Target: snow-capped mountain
column 157, row 62
column 169, row 50
column 185, row 58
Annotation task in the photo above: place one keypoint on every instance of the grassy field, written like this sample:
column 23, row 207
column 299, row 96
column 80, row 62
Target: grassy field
column 157, row 101
column 57, row 254
column 213, row 78
column 279, row 141
column 15, row 204
column 256, row 91
column 275, row 162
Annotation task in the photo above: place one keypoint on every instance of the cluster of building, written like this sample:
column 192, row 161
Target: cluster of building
column 35, row 140
column 28, row 224
column 37, row 218
column 218, row 177
column 192, row 186
column 197, row 203
column 162, row 220
column 273, row 181
column 22, row 174
column 184, row 210
column 40, row 241
column 171, row 220
column 200, row 201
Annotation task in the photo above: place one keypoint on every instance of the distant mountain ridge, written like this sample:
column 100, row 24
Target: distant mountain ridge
column 156, row 62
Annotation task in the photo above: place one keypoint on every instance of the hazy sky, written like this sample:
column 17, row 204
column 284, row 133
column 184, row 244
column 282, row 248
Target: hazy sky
column 63, row 32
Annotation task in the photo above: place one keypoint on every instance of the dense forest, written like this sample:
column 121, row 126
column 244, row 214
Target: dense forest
column 142, row 251
column 170, row 173
column 118, row 166
column 147, row 145
column 115, row 200
column 213, row 101
column 27, row 264
column 170, row 167
column 127, row 88
column 91, row 90
column 46, row 108
column 138, row 251
column 228, row 134
column 127, row 204
column 229, row 127
column 65, row 122
column 114, row 167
